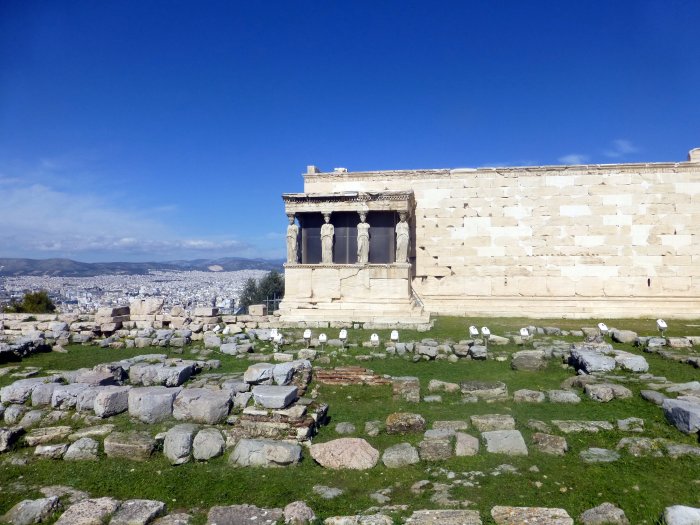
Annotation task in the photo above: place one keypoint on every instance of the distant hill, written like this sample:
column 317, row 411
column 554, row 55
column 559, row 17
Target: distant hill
column 70, row 268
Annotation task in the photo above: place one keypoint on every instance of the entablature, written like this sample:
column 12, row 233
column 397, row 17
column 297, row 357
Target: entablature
column 399, row 201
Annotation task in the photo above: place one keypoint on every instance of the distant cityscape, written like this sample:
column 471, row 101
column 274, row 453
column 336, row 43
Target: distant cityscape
column 184, row 288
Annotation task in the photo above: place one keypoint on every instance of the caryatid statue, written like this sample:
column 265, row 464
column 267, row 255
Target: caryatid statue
column 362, row 240
column 327, row 232
column 402, row 237
column 292, row 234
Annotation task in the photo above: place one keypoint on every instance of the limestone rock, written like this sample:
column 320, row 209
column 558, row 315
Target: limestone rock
column 623, row 336
column 89, row 512
column 21, row 390
column 604, row 514
column 208, row 444
column 265, row 453
column 436, row 445
column 653, row 396
column 406, row 388
column 365, row 519
column 563, row 396
column 486, row 422
column 350, row 453
column 31, row 418
column 436, row 385
column 604, row 392
column 202, row 405
column 444, row 517
column 298, row 513
column 400, row 455
column 152, row 404
column 177, row 445
column 684, row 415
column 631, row 362
column 538, row 515
column 85, row 449
column 404, row 422
column 259, row 374
column 508, row 442
column 273, row 396
column 681, row 515
column 111, row 400
column 129, row 445
column 39, row 436
column 485, row 390
column 528, row 396
column 591, row 361
column 8, row 437
column 568, row 426
column 598, row 455
column 137, row 512
column 66, row 396
column 529, row 360
column 30, row 511
column 466, row 445
column 549, row 444
column 51, row 451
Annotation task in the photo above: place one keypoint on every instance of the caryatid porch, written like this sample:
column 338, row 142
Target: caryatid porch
column 349, row 259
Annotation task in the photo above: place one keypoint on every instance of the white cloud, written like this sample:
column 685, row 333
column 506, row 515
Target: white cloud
column 573, row 158
column 37, row 220
column 621, row 148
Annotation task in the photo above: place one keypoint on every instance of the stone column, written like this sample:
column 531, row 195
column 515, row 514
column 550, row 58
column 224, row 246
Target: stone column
column 327, row 232
column 362, row 240
column 402, row 239
column 292, row 240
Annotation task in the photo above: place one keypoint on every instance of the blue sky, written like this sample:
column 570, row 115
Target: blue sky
column 155, row 130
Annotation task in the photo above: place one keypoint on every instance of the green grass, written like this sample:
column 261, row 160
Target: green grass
column 641, row 486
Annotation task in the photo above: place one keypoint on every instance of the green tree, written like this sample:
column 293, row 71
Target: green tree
column 33, row 303
column 257, row 292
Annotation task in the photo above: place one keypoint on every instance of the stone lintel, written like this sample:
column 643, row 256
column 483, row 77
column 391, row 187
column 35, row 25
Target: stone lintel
column 348, row 201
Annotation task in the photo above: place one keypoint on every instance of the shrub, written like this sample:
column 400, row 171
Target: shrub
column 33, row 303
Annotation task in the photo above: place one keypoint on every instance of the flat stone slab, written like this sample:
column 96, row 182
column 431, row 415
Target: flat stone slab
column 404, row 422
column 345, row 453
column 111, row 400
column 273, row 396
column 486, row 390
column 259, row 373
column 137, row 512
column 563, row 396
column 534, row 515
column 265, row 453
column 400, row 455
column 40, row 436
column 598, row 455
column 31, row 511
column 508, row 442
column 85, row 449
column 487, row 422
column 569, row 426
column 129, row 445
column 684, row 415
column 681, row 515
column 243, row 515
column 89, row 512
column 591, row 361
column 202, row 405
column 444, row 517
column 152, row 404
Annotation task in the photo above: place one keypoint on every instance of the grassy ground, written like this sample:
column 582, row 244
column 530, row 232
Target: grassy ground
column 641, row 486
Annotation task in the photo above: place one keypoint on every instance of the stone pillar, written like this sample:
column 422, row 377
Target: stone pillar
column 327, row 232
column 292, row 240
column 362, row 240
column 402, row 239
